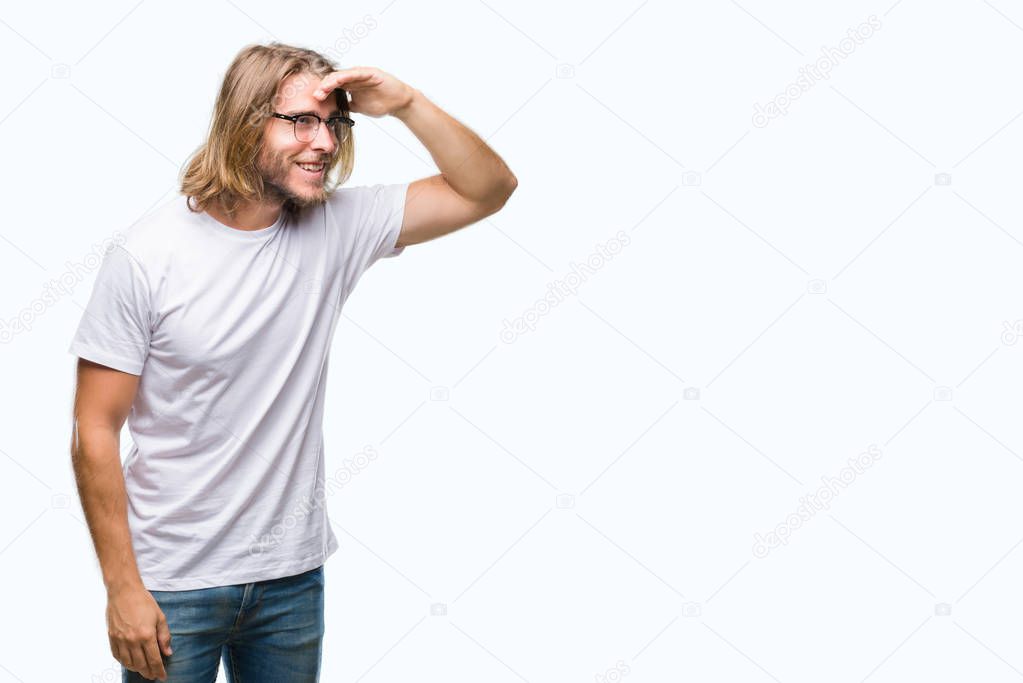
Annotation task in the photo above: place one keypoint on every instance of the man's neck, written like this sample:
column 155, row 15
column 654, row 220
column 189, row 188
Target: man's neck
column 247, row 215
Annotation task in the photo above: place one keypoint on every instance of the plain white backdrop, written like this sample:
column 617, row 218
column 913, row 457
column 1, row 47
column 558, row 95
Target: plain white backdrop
column 768, row 429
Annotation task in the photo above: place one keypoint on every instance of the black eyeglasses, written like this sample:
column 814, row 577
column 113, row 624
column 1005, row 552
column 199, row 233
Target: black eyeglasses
column 308, row 125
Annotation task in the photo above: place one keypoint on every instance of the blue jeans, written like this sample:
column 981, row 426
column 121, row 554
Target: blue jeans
column 265, row 631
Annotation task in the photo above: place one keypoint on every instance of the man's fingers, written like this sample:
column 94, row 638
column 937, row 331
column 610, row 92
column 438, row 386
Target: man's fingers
column 163, row 635
column 322, row 92
column 338, row 79
column 120, row 654
column 154, row 665
column 137, row 660
column 354, row 73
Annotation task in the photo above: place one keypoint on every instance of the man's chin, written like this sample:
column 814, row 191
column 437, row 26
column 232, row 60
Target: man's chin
column 305, row 201
column 297, row 199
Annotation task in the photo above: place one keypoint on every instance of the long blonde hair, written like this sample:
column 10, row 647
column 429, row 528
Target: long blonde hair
column 224, row 167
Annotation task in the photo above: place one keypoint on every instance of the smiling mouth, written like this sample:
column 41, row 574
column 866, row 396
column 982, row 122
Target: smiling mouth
column 311, row 169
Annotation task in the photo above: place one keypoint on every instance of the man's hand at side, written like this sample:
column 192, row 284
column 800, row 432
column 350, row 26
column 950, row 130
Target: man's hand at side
column 135, row 623
column 138, row 631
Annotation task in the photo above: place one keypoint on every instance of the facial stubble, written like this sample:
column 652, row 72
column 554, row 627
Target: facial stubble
column 275, row 172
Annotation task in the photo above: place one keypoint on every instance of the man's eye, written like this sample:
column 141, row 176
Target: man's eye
column 306, row 120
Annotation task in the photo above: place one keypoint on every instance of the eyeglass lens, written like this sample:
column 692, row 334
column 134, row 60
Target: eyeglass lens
column 306, row 128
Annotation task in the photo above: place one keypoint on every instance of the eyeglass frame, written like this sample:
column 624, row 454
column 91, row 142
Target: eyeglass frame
column 319, row 121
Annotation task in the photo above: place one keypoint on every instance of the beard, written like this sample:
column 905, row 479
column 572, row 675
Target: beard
column 276, row 168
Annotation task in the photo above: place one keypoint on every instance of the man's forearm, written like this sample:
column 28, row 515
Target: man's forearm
column 97, row 465
column 469, row 165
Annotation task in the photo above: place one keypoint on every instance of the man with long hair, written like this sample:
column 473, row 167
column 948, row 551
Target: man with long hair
column 209, row 329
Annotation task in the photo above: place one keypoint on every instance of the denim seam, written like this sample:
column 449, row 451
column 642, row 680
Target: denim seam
column 236, row 676
column 241, row 608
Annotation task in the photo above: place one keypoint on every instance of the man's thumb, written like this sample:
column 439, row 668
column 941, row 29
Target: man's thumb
column 163, row 635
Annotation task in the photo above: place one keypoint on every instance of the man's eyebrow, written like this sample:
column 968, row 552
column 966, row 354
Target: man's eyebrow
column 335, row 112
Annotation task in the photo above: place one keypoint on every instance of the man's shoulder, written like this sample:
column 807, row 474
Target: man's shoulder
column 343, row 198
column 158, row 232
column 354, row 201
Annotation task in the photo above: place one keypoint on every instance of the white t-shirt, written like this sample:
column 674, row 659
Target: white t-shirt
column 230, row 331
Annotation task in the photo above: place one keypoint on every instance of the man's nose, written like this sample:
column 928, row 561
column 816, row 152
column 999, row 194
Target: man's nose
column 324, row 139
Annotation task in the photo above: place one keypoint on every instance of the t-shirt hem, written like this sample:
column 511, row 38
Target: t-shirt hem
column 265, row 574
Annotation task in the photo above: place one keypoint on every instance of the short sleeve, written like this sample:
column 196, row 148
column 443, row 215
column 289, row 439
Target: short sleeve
column 381, row 211
column 116, row 325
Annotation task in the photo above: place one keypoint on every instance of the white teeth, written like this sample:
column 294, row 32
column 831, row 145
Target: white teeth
column 312, row 167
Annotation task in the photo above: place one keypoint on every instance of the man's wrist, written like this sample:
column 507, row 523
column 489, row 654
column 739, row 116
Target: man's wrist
column 415, row 98
column 121, row 583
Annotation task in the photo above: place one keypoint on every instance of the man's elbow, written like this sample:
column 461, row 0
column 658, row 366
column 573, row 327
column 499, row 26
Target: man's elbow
column 505, row 192
column 510, row 184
